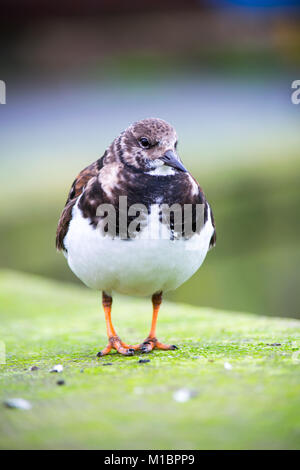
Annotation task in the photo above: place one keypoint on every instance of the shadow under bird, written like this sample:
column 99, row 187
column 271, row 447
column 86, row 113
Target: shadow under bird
column 154, row 253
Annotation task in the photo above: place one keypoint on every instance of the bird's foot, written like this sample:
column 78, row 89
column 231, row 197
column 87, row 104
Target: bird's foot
column 152, row 343
column 114, row 342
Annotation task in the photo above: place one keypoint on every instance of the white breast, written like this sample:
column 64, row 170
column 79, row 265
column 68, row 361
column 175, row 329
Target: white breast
column 136, row 267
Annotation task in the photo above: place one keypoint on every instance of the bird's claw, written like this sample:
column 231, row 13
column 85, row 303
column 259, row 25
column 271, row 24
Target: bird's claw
column 149, row 344
column 128, row 350
column 145, row 349
column 116, row 343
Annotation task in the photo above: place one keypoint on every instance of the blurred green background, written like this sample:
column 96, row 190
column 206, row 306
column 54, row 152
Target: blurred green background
column 219, row 71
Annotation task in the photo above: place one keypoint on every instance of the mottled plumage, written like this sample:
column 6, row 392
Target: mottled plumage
column 141, row 164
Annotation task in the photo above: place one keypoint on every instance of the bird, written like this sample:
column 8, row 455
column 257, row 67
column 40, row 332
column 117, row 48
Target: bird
column 111, row 249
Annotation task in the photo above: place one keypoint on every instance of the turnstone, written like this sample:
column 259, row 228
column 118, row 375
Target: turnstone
column 134, row 248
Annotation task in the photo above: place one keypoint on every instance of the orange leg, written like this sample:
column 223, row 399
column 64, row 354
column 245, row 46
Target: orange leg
column 114, row 342
column 151, row 342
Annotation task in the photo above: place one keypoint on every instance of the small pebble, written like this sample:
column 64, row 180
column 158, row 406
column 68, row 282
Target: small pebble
column 60, row 382
column 18, row 403
column 143, row 361
column 227, row 366
column 57, row 368
column 34, row 368
column 183, row 394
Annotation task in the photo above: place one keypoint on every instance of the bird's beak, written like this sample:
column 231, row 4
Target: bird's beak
column 170, row 159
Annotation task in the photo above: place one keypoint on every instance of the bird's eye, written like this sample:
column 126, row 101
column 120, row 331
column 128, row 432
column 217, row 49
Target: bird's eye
column 145, row 143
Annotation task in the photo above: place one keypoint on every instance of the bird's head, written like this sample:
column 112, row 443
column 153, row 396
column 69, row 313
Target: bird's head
column 149, row 145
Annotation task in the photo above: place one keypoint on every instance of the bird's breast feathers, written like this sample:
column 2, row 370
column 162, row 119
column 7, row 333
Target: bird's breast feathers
column 153, row 258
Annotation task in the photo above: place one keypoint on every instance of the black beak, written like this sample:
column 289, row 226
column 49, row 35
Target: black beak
column 170, row 159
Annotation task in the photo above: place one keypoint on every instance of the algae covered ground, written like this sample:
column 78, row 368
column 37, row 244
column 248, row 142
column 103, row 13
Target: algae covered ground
column 234, row 382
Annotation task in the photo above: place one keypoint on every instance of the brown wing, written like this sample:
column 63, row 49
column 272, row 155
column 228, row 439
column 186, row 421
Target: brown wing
column 213, row 239
column 76, row 189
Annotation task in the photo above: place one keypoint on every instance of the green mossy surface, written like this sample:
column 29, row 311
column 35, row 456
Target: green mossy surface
column 128, row 405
